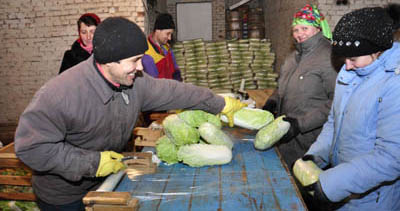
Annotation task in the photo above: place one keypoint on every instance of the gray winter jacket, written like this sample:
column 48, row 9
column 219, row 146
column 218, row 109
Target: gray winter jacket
column 305, row 92
column 76, row 115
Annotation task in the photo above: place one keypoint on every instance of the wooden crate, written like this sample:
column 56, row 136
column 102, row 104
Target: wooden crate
column 146, row 137
column 9, row 161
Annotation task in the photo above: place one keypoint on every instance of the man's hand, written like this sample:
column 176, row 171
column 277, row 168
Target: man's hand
column 231, row 106
column 110, row 162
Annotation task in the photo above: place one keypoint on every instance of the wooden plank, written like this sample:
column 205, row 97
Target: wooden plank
column 9, row 148
column 18, row 196
column 243, row 196
column 132, row 205
column 177, row 191
column 207, row 192
column 261, row 192
column 238, row 4
column 7, row 162
column 109, row 198
column 15, row 180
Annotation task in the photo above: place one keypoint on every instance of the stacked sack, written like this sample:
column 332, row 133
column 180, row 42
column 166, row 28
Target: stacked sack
column 223, row 64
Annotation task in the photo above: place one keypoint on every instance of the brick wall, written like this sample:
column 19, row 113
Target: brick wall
column 35, row 34
column 280, row 31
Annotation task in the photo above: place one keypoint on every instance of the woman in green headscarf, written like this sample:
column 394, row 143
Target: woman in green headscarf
column 306, row 84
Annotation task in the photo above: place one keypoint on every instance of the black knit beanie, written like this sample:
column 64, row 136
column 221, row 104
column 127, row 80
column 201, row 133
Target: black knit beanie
column 164, row 21
column 363, row 32
column 117, row 38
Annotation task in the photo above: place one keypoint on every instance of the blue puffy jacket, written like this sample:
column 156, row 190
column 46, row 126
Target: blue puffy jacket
column 361, row 139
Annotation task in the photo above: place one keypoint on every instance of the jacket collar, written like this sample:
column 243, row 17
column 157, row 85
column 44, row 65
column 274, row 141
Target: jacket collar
column 97, row 82
column 307, row 46
column 389, row 62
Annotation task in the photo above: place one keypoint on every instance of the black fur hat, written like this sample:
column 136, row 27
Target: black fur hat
column 365, row 31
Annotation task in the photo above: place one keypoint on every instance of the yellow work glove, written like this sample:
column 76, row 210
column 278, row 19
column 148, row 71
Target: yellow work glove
column 110, row 162
column 176, row 111
column 231, row 106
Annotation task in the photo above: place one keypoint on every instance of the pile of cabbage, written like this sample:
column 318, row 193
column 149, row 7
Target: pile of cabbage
column 195, row 138
column 270, row 130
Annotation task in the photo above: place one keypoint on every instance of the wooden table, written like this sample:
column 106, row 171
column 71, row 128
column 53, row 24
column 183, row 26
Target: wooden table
column 253, row 180
column 260, row 96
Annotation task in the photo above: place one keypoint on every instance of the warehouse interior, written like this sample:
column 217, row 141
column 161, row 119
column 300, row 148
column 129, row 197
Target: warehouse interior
column 35, row 34
column 224, row 45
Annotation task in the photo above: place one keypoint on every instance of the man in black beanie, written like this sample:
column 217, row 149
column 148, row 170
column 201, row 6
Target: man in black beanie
column 78, row 123
column 159, row 60
column 359, row 145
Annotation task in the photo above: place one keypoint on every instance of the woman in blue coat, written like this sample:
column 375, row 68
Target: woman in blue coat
column 359, row 146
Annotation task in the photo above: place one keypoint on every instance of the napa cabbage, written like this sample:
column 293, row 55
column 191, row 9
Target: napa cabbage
column 179, row 132
column 213, row 135
column 307, row 172
column 197, row 155
column 270, row 134
column 251, row 118
column 166, row 150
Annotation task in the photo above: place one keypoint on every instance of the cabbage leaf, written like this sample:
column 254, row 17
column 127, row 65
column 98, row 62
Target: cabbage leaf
column 166, row 150
column 179, row 132
column 195, row 118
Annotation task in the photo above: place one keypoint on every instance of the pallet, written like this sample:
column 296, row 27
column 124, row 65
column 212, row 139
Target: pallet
column 8, row 160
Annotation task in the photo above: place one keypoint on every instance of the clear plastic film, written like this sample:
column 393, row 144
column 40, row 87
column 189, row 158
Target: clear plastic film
column 252, row 179
column 307, row 172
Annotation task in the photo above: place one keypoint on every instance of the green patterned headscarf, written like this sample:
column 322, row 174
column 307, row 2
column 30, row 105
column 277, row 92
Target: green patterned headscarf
column 310, row 15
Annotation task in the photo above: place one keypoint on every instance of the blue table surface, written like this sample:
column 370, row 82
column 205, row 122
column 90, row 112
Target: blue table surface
column 253, row 180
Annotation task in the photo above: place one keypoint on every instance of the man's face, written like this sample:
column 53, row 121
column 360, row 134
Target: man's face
column 123, row 72
column 163, row 35
column 86, row 34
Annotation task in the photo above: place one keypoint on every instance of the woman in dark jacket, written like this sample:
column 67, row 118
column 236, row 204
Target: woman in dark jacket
column 305, row 86
column 82, row 48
